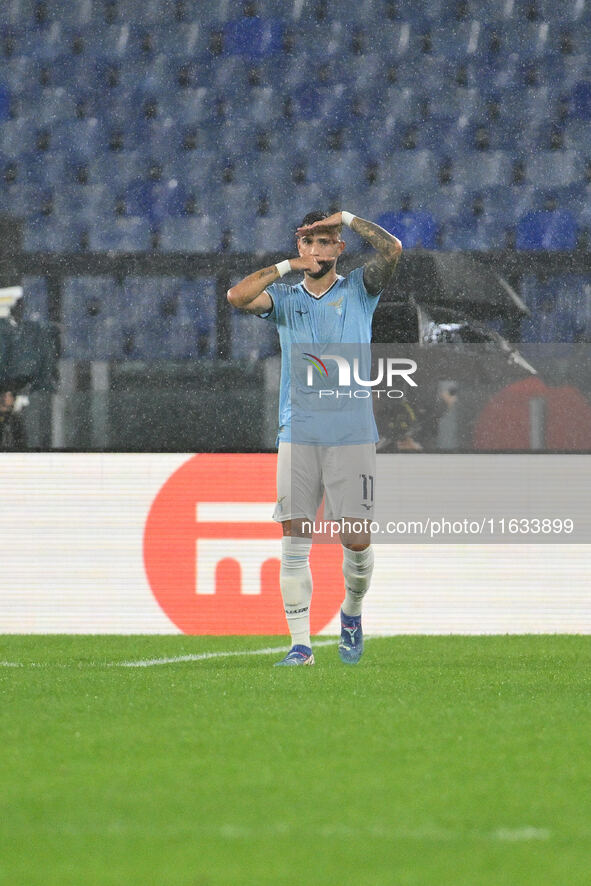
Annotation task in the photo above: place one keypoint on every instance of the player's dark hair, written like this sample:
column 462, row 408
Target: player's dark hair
column 315, row 216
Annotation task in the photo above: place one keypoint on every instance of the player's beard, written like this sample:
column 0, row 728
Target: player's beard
column 325, row 267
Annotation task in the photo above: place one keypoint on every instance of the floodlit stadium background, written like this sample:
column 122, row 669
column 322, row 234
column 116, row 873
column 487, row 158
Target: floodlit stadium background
column 152, row 152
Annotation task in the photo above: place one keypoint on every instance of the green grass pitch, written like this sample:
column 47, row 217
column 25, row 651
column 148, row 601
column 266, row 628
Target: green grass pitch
column 437, row 761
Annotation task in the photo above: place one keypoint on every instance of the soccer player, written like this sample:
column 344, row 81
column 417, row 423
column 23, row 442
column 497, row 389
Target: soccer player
column 324, row 307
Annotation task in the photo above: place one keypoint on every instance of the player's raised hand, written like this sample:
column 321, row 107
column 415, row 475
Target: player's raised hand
column 333, row 221
column 306, row 263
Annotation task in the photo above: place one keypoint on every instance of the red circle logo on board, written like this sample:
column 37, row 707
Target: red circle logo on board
column 212, row 551
column 505, row 421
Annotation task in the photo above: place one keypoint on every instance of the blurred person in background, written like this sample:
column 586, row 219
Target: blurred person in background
column 28, row 363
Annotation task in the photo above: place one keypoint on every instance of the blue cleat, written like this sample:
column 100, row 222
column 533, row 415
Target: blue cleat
column 297, row 655
column 351, row 642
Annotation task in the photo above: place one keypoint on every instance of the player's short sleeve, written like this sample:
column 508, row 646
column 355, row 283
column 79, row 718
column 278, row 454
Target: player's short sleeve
column 277, row 293
column 355, row 280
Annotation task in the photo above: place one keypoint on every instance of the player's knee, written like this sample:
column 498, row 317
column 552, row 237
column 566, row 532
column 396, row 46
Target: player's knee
column 296, row 528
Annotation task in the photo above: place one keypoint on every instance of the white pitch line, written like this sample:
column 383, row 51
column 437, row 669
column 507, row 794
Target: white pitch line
column 515, row 835
column 202, row 656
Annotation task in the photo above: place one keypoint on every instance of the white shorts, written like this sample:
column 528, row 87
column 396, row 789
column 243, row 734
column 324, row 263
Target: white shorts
column 344, row 474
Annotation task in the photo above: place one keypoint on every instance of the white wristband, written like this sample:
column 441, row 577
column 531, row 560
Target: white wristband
column 283, row 267
column 347, row 218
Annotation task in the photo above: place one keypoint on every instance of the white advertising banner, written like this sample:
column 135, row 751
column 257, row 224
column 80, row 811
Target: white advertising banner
column 160, row 543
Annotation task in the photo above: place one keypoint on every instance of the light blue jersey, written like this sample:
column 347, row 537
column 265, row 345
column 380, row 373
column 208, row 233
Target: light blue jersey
column 342, row 315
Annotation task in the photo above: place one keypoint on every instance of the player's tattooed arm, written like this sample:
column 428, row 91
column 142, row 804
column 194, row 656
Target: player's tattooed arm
column 379, row 269
column 249, row 293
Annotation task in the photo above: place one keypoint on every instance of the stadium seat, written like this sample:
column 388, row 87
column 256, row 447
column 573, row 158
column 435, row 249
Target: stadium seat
column 252, row 338
column 81, row 138
column 17, row 137
column 581, row 100
column 200, row 234
column 35, row 299
column 273, row 234
column 70, row 15
column 193, row 106
column 456, row 102
column 17, row 12
column 477, row 170
column 91, row 326
column 197, row 306
column 442, row 203
column 577, row 132
column 414, row 229
column 4, row 102
column 131, row 234
column 568, row 11
column 409, row 170
column 193, row 169
column 54, row 105
column 554, row 169
column 140, row 299
column 183, row 41
column 169, row 318
column 117, row 167
column 467, row 232
column 51, row 235
column 252, row 37
column 84, row 203
column 459, row 43
column 147, row 12
column 547, row 230
column 21, row 200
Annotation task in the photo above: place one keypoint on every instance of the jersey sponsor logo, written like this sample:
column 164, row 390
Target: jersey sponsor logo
column 212, row 552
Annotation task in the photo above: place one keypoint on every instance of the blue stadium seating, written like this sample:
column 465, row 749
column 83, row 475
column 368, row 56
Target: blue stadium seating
column 168, row 318
column 402, row 86
column 70, row 15
column 189, row 235
column 506, row 205
column 84, row 203
column 4, row 102
column 469, row 232
column 131, row 234
column 51, row 235
column 92, row 328
column 414, row 229
column 251, row 338
column 253, row 37
column 554, row 169
column 541, row 229
column 273, row 234
column 486, row 169
column 581, row 100
column 117, row 168
column 197, row 307
column 81, row 138
column 567, row 11
column 35, row 298
column 443, row 202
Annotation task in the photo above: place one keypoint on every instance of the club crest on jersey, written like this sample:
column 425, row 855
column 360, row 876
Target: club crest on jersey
column 338, row 304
